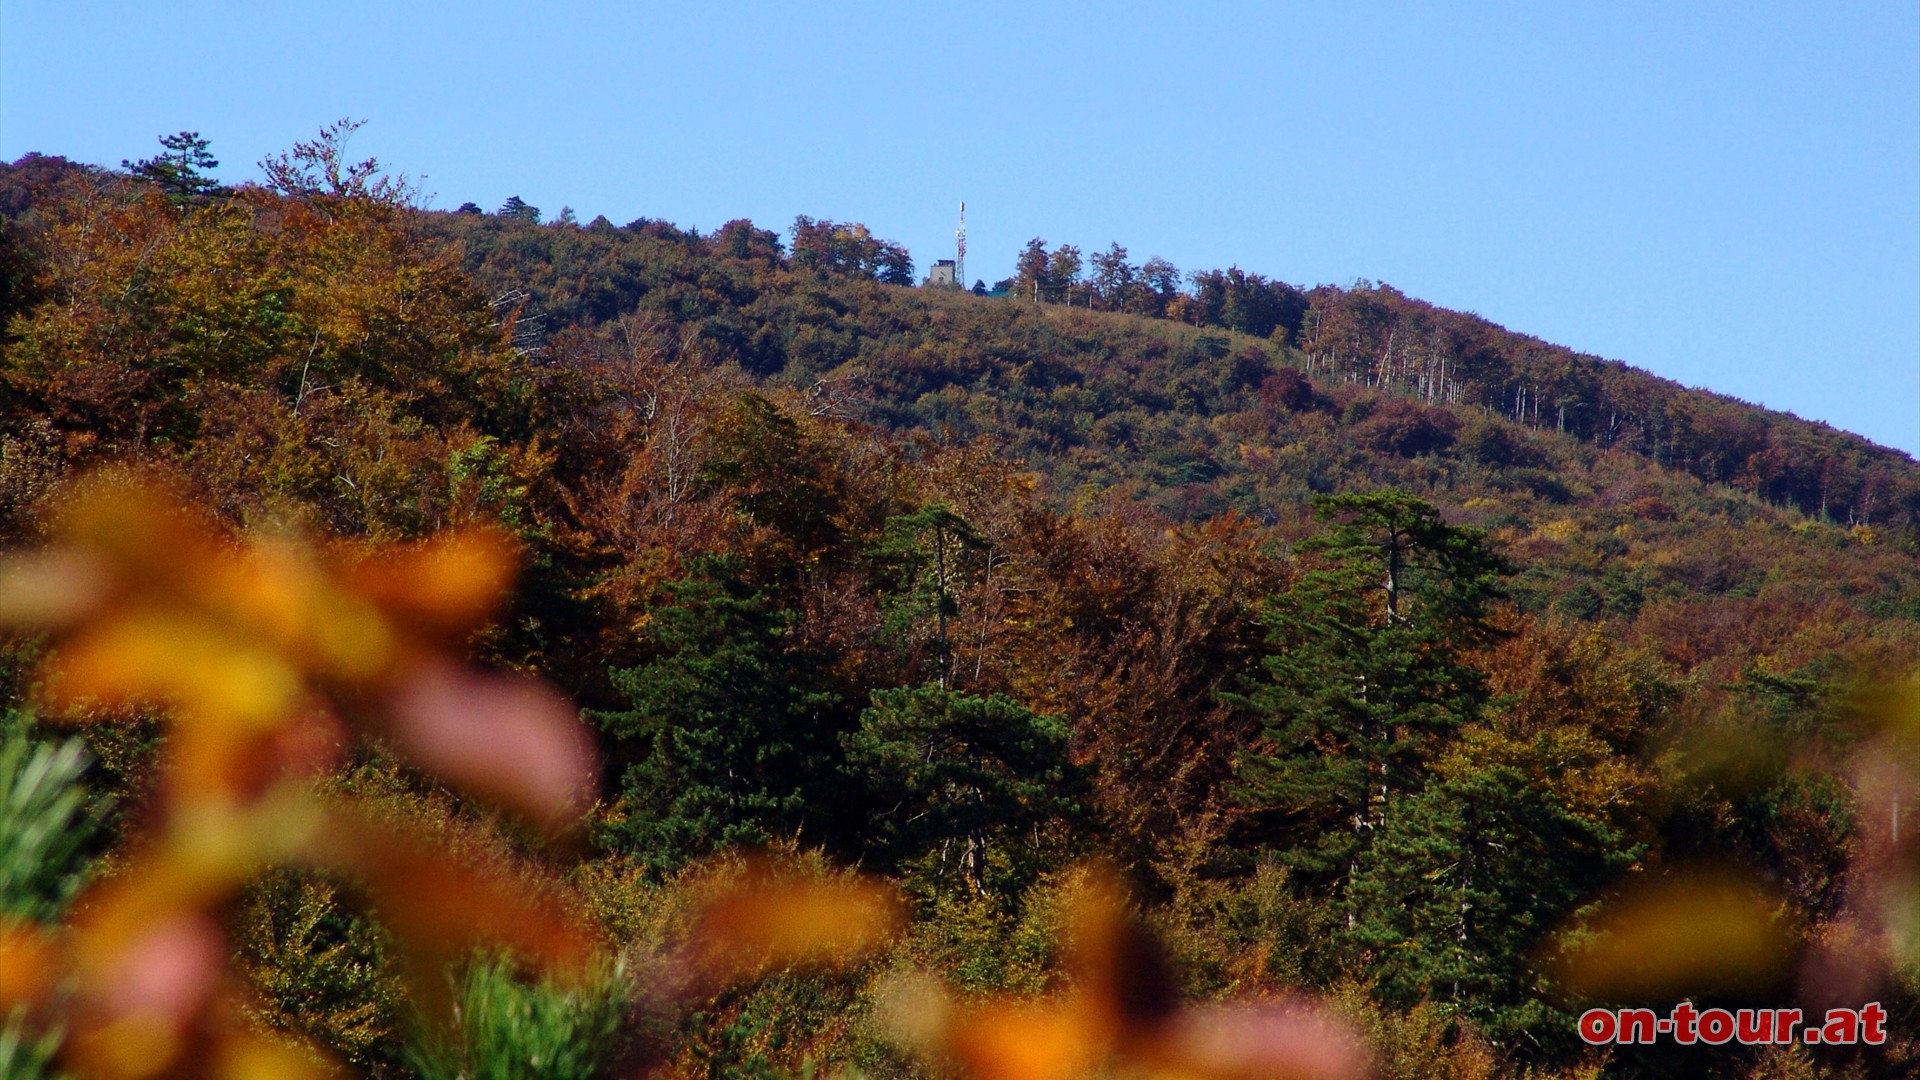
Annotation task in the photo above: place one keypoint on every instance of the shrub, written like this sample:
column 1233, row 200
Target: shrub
column 319, row 969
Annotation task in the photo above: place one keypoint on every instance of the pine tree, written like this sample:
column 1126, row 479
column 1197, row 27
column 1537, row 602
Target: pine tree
column 949, row 773
column 731, row 737
column 1464, row 880
column 920, row 555
column 182, row 170
column 1365, row 677
column 520, row 210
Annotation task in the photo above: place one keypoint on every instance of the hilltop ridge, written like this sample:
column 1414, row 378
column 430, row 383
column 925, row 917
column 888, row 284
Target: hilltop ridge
column 920, row 350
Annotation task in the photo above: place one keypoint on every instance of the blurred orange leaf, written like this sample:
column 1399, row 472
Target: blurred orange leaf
column 445, row 586
column 247, row 1056
column 262, row 651
column 146, row 656
column 1123, row 1010
column 1121, row 967
column 765, row 925
column 1696, row 930
column 141, row 525
column 1028, row 1042
column 439, row 908
column 129, row 1048
column 29, row 962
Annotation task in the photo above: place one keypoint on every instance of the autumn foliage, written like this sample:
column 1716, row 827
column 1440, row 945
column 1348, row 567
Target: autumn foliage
column 452, row 639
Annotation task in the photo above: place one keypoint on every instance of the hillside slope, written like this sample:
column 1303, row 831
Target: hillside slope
column 1727, row 526
column 1078, row 388
column 969, row 591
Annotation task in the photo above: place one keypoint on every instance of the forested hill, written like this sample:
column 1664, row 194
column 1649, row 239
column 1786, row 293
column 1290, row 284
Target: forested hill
column 1721, row 531
column 1617, row 489
column 1404, row 664
column 1198, row 403
column 1148, row 403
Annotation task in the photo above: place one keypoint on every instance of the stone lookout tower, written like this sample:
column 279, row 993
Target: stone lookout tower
column 952, row 273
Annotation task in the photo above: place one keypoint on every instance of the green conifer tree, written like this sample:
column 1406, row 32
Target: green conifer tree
column 519, row 209
column 920, row 556
column 1365, row 678
column 182, row 171
column 1463, row 881
column 949, row 774
column 731, row 737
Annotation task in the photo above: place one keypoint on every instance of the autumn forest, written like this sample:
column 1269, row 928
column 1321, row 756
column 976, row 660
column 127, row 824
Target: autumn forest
column 465, row 644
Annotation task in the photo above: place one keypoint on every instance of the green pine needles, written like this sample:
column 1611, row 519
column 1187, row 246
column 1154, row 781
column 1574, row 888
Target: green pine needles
column 1367, row 674
column 510, row 1028
column 26, row 1054
column 952, row 776
column 45, row 829
column 732, row 731
column 44, row 821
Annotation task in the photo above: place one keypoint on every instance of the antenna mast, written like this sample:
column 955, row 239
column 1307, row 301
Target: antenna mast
column 960, row 249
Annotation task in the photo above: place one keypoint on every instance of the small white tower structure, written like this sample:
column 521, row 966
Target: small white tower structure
column 960, row 248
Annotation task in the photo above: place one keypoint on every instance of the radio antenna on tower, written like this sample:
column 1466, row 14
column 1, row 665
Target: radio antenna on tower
column 960, row 248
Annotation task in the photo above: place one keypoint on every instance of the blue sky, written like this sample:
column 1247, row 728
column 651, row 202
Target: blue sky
column 1725, row 194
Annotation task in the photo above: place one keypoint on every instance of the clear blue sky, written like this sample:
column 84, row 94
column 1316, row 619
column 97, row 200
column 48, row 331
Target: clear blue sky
column 1725, row 194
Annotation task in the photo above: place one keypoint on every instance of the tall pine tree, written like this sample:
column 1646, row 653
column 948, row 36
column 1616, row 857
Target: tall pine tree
column 950, row 774
column 1463, row 880
column 732, row 734
column 1365, row 678
column 182, row 171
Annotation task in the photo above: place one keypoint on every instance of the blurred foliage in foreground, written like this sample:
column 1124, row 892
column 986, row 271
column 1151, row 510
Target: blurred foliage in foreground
column 267, row 658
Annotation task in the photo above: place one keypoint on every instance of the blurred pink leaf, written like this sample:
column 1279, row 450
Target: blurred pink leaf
column 52, row 589
column 170, row 970
column 1279, row 1040
column 511, row 738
